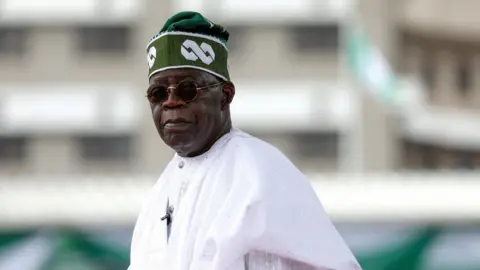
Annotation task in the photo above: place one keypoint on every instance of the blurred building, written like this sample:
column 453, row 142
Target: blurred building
column 439, row 44
column 74, row 78
column 435, row 45
column 72, row 92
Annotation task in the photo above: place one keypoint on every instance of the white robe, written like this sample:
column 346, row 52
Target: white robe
column 241, row 205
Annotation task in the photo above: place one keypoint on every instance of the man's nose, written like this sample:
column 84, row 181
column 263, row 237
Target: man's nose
column 173, row 100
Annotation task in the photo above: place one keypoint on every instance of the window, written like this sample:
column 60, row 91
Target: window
column 107, row 147
column 317, row 145
column 465, row 161
column 412, row 155
column 464, row 77
column 104, row 39
column 13, row 149
column 315, row 37
column 428, row 73
column 429, row 158
column 13, row 40
column 418, row 156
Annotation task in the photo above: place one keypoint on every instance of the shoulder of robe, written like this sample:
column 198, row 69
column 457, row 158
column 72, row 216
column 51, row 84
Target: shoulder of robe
column 253, row 150
column 261, row 161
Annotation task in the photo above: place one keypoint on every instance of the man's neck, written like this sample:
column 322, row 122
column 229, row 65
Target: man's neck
column 226, row 128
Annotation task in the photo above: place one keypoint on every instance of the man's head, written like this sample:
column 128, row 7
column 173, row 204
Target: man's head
column 190, row 92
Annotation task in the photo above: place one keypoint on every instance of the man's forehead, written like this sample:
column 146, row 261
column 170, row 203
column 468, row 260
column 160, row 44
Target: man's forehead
column 170, row 75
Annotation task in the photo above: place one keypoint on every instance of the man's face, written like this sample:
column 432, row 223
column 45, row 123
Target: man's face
column 188, row 127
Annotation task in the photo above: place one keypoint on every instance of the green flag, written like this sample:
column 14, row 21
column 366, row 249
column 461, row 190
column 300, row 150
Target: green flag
column 368, row 64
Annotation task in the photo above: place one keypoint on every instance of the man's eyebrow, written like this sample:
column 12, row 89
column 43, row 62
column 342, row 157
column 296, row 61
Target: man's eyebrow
column 178, row 78
column 159, row 80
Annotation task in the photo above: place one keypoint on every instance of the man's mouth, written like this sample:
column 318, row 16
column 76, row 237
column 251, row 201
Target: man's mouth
column 175, row 123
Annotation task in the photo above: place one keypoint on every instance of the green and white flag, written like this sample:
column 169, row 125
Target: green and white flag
column 368, row 64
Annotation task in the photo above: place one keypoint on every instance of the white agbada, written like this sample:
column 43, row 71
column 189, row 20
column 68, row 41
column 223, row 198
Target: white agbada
column 241, row 205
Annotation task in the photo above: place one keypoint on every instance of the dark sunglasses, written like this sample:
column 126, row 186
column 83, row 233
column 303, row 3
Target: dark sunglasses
column 185, row 90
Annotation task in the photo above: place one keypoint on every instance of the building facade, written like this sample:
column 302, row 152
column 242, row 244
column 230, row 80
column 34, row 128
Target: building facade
column 74, row 79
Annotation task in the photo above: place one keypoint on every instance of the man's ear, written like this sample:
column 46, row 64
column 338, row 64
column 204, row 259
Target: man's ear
column 228, row 94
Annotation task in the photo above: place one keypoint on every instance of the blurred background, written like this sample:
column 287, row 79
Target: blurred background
column 376, row 101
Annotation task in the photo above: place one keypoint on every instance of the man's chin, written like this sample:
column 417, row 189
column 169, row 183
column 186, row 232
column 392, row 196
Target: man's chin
column 179, row 142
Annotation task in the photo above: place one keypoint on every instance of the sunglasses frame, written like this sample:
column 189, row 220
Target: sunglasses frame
column 169, row 90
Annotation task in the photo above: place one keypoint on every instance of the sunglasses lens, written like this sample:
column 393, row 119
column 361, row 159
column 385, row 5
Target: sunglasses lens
column 157, row 94
column 187, row 91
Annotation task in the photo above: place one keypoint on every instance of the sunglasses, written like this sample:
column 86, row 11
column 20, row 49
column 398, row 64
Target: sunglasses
column 185, row 90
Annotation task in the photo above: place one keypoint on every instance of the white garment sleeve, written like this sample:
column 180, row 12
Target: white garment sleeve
column 272, row 207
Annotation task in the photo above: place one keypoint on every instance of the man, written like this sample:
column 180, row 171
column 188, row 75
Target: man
column 226, row 200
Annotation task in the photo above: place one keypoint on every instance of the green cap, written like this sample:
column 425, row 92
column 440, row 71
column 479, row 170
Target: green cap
column 189, row 40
